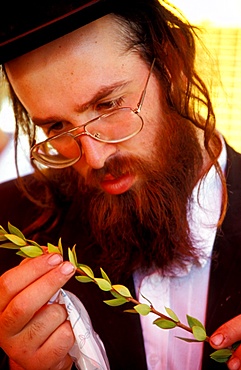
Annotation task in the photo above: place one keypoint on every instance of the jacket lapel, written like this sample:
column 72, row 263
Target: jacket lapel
column 224, row 296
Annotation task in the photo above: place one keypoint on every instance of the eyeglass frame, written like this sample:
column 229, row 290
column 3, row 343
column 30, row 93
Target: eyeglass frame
column 135, row 111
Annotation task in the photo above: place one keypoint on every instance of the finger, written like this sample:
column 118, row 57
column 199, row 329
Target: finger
column 227, row 334
column 235, row 361
column 16, row 279
column 65, row 364
column 24, row 305
column 57, row 346
column 53, row 354
column 40, row 327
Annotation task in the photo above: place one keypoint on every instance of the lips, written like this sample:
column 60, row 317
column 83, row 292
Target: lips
column 117, row 185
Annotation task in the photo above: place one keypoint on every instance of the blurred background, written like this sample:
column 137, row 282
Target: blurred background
column 220, row 25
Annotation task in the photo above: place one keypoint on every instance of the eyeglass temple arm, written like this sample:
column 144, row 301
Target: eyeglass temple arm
column 139, row 105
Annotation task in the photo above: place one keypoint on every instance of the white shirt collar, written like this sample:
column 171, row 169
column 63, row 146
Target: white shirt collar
column 205, row 209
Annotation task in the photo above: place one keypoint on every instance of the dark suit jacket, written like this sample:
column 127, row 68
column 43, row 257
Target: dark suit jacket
column 121, row 332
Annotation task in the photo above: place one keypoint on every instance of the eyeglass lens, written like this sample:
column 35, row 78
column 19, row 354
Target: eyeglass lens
column 64, row 150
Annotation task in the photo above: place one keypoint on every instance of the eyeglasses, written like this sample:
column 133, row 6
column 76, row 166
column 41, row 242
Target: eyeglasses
column 64, row 150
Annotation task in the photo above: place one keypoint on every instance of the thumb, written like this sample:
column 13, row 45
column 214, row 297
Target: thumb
column 227, row 334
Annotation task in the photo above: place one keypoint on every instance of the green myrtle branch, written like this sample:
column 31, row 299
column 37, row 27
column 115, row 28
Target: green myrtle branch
column 13, row 238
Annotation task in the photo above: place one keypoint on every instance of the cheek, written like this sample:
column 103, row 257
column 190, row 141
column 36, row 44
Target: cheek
column 144, row 143
column 81, row 167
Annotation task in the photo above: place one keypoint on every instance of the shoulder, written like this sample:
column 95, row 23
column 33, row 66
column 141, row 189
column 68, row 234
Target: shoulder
column 232, row 223
column 233, row 168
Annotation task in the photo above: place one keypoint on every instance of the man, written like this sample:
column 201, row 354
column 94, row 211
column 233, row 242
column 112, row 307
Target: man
column 133, row 175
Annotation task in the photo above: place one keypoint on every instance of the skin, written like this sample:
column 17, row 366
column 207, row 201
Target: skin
column 55, row 83
column 63, row 94
column 25, row 336
column 225, row 336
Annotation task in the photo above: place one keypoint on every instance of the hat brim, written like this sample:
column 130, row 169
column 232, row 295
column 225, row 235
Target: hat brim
column 32, row 38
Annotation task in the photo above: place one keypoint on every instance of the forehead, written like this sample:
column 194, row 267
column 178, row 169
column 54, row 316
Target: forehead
column 72, row 69
column 95, row 41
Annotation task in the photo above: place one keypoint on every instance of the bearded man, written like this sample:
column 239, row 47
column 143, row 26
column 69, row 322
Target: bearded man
column 130, row 169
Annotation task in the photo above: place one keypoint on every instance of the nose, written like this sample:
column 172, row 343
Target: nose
column 95, row 152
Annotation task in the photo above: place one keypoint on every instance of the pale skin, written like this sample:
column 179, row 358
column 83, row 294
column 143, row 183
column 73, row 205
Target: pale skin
column 56, row 83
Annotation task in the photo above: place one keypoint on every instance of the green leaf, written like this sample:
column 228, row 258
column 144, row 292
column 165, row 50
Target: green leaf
column 131, row 310
column 32, row 242
column 52, row 248
column 72, row 256
column 122, row 290
column 9, row 246
column 172, row 314
column 31, row 251
column 87, row 270
column 84, row 279
column 221, row 355
column 2, row 237
column 60, row 246
column 189, row 340
column 115, row 294
column 2, row 230
column 21, row 254
column 199, row 333
column 143, row 309
column 115, row 302
column 194, row 322
column 164, row 324
column 104, row 275
column 14, row 230
column 16, row 240
column 103, row 284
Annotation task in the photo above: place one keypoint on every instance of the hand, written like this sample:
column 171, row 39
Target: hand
column 225, row 336
column 32, row 332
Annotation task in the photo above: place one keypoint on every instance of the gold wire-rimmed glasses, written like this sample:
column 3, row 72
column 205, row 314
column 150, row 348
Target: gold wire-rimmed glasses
column 64, row 150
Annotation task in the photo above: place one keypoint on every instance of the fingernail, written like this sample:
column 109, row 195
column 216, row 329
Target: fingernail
column 55, row 259
column 217, row 339
column 67, row 268
column 234, row 364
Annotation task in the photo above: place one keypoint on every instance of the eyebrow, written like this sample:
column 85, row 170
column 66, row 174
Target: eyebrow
column 102, row 93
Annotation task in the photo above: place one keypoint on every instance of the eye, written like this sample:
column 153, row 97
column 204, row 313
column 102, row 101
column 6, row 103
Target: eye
column 109, row 105
column 56, row 128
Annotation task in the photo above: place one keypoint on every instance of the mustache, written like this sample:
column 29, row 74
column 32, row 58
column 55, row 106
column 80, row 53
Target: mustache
column 117, row 166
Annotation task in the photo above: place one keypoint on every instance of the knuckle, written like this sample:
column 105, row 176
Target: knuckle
column 12, row 313
column 57, row 311
column 34, row 330
column 18, row 307
column 56, row 314
column 7, row 320
column 5, row 284
column 60, row 351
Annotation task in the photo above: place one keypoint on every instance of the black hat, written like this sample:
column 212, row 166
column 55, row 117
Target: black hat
column 26, row 25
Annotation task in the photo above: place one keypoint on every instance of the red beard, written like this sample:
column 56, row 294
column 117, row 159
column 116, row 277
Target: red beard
column 147, row 226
